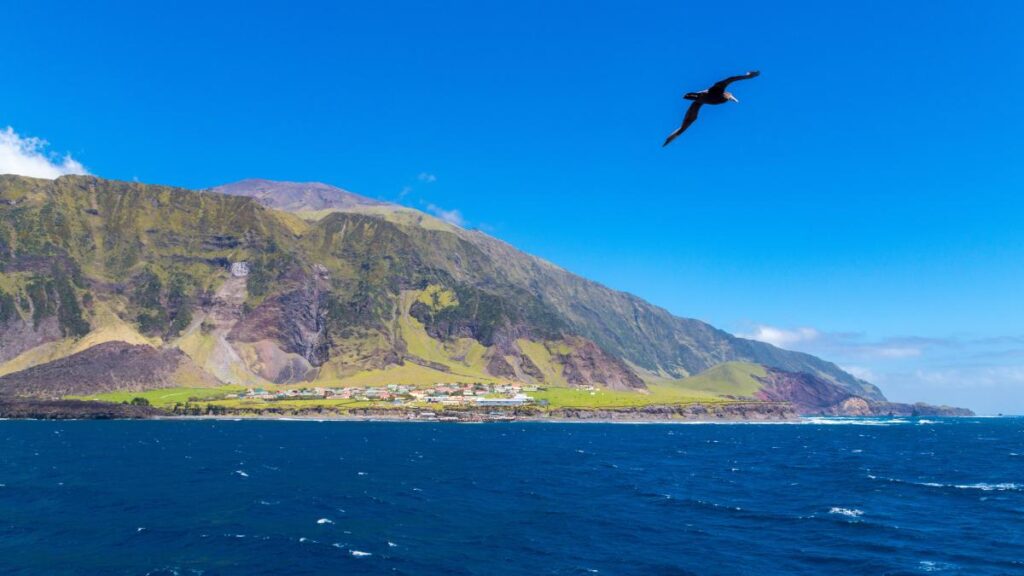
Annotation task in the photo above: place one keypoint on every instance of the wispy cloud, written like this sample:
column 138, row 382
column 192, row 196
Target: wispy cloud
column 861, row 372
column 782, row 337
column 988, row 389
column 426, row 177
column 453, row 217
column 843, row 344
column 28, row 156
column 981, row 373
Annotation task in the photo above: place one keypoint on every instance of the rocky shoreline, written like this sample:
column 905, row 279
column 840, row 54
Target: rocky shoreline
column 24, row 408
column 33, row 409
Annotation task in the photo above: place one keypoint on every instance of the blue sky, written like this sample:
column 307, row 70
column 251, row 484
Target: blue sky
column 863, row 201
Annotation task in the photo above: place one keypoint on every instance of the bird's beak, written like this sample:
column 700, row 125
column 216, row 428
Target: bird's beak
column 734, row 99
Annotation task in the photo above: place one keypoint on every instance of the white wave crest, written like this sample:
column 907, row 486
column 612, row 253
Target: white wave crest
column 359, row 553
column 984, row 486
column 847, row 421
column 989, row 487
column 849, row 512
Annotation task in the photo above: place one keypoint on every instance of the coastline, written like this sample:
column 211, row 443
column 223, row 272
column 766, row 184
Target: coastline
column 24, row 408
column 726, row 412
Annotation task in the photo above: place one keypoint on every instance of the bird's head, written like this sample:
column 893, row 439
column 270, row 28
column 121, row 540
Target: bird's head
column 729, row 96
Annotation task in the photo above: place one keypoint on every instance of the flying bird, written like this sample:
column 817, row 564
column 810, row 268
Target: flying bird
column 717, row 94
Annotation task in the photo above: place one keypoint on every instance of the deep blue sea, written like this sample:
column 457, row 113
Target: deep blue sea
column 941, row 496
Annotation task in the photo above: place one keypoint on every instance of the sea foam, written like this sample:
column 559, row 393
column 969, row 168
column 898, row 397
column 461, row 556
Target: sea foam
column 849, row 512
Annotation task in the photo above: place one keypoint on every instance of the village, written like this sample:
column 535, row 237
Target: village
column 452, row 394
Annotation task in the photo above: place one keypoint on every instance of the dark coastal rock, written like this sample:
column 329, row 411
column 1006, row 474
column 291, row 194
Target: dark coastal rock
column 72, row 409
column 730, row 411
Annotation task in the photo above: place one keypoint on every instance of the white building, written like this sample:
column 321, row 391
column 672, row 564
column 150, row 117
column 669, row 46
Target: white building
column 239, row 269
column 517, row 400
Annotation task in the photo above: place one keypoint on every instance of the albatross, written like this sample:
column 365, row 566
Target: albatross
column 717, row 94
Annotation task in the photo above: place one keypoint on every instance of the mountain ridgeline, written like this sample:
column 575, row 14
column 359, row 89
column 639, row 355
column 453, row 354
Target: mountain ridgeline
column 335, row 288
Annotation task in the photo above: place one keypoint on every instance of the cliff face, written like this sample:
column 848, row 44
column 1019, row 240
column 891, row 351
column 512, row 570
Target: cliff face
column 338, row 286
column 811, row 395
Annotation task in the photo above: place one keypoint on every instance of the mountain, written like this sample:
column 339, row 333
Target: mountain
column 645, row 335
column 335, row 289
column 296, row 196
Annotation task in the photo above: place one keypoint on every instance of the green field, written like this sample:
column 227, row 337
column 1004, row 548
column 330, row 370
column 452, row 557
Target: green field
column 575, row 398
column 308, row 404
column 165, row 397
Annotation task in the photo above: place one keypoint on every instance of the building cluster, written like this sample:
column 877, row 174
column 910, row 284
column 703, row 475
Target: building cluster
column 455, row 394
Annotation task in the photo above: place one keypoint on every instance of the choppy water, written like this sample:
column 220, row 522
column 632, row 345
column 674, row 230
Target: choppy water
column 222, row 497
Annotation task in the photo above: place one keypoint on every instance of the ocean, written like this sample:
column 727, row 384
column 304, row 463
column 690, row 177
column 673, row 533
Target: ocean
column 885, row 496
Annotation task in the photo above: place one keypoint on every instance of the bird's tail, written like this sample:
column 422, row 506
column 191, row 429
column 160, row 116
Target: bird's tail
column 692, row 95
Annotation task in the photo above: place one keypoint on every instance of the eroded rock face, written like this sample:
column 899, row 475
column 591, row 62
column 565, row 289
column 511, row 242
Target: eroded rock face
column 294, row 322
column 530, row 369
column 809, row 394
column 106, row 367
column 269, row 361
column 498, row 366
column 853, row 406
column 586, row 363
column 17, row 336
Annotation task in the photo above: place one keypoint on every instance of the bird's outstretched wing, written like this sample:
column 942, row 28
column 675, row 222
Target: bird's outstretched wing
column 721, row 85
column 691, row 115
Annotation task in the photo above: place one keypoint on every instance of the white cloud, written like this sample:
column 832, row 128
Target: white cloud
column 971, row 377
column 891, row 351
column 781, row 337
column 27, row 156
column 453, row 217
column 842, row 345
column 426, row 177
column 861, row 372
column 985, row 389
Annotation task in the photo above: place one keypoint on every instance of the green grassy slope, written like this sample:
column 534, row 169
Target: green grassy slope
column 729, row 379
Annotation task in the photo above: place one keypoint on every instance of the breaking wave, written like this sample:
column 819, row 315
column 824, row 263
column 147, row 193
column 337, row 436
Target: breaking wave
column 849, row 512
